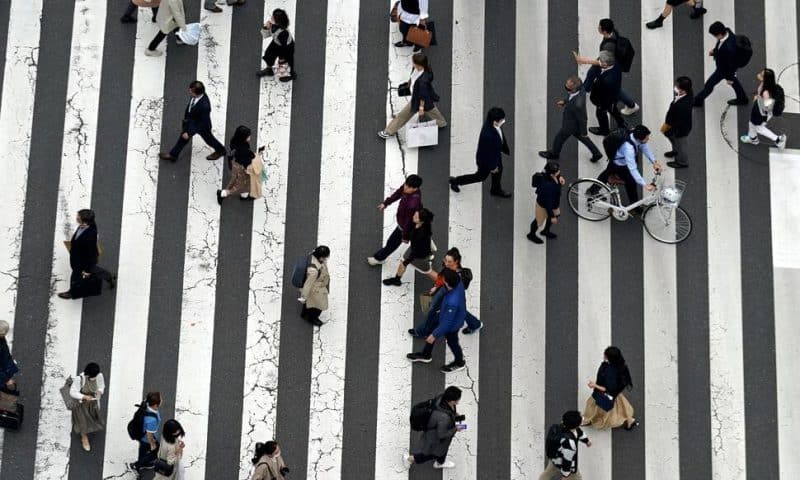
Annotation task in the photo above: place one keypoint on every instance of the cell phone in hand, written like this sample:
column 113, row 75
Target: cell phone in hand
column 461, row 427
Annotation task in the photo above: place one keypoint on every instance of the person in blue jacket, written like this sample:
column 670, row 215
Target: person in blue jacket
column 492, row 144
column 724, row 53
column 451, row 318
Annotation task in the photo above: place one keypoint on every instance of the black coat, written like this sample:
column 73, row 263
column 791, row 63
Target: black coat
column 548, row 194
column 491, row 148
column 573, row 120
column 725, row 55
column 423, row 90
column 199, row 118
column 679, row 117
column 83, row 253
column 604, row 87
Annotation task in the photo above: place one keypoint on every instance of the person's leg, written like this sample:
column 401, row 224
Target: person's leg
column 432, row 317
column 764, row 131
column 708, row 87
column 160, row 36
column 602, row 119
column 455, row 347
column 404, row 28
column 428, row 350
column 588, row 143
column 626, row 99
column 422, row 458
column 496, row 177
column 436, row 114
column 394, row 241
column 176, row 150
column 558, row 142
column 739, row 90
column 476, row 177
column 679, row 144
column 550, row 472
column 212, row 141
column 400, row 119
column 130, row 10
column 631, row 187
column 473, row 323
column 617, row 115
column 102, row 274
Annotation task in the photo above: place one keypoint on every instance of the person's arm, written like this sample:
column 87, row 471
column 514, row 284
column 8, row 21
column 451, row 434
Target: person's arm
column 423, row 9
column 648, row 153
column 447, row 316
column 75, row 389
column 312, row 273
column 630, row 162
column 443, row 428
column 393, row 197
column 101, row 385
column 567, row 455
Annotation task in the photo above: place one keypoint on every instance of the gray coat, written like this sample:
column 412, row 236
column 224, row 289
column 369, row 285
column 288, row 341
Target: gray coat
column 441, row 428
column 573, row 120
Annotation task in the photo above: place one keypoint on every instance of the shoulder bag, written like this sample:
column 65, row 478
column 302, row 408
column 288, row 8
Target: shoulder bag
column 69, row 402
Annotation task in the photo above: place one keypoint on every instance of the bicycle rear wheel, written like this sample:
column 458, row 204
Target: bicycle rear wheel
column 584, row 197
column 667, row 224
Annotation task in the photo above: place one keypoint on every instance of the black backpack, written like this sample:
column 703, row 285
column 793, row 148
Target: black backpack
column 552, row 442
column 136, row 425
column 466, row 277
column 421, row 415
column 744, row 51
column 624, row 53
column 780, row 101
column 614, row 140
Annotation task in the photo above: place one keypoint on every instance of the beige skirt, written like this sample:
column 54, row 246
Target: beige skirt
column 600, row 419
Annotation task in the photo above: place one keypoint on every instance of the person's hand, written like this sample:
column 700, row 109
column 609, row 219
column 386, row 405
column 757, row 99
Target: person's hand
column 185, row 136
column 421, row 113
column 657, row 167
column 553, row 220
column 432, row 291
column 301, row 300
column 711, row 53
column 649, row 187
column 284, row 470
column 562, row 180
column 431, row 339
column 10, row 382
column 576, row 56
column 381, row 206
column 561, row 103
column 87, row 398
column 591, row 384
column 496, row 170
column 588, row 443
column 86, row 274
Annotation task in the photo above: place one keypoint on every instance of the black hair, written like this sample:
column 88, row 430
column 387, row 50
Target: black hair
column 425, row 216
column 717, row 28
column 321, row 252
column 153, row 398
column 769, row 81
column 572, row 419
column 421, row 59
column 281, row 18
column 495, row 114
column 455, row 254
column 451, row 278
column 413, row 181
column 239, row 138
column 91, row 370
column 197, row 87
column 640, row 132
column 262, row 449
column 451, row 393
column 551, row 167
column 86, row 216
column 607, row 25
column 615, row 358
column 172, row 431
column 684, row 83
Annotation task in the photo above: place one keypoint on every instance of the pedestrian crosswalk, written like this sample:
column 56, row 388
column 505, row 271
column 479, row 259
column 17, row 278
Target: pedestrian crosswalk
column 203, row 310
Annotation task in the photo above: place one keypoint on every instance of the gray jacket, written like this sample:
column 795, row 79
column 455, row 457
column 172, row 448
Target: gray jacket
column 441, row 428
column 573, row 120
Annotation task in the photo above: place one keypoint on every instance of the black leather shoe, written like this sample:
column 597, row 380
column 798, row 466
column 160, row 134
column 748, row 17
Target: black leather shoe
column 214, row 9
column 267, row 72
column 66, row 295
column 596, row 157
column 675, row 164
column 453, row 185
column 534, row 238
column 216, row 155
column 597, row 131
column 671, row 154
column 548, row 155
column 738, row 101
column 127, row 19
column 548, row 234
column 403, row 43
column 697, row 13
column 657, row 23
column 500, row 193
column 219, row 197
column 167, row 156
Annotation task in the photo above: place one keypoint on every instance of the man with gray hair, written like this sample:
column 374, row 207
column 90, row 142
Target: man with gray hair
column 573, row 121
column 604, row 82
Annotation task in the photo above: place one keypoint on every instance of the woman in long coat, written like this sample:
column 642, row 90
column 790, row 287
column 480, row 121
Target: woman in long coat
column 314, row 294
column 87, row 388
column 170, row 17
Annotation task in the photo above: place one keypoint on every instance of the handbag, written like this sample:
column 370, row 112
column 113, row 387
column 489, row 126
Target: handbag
column 419, row 36
column 161, row 467
column 422, row 134
column 404, row 89
column 147, row 3
column 69, row 402
column 603, row 400
column 190, row 36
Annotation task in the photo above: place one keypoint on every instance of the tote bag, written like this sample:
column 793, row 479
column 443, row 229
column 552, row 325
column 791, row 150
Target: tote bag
column 422, row 134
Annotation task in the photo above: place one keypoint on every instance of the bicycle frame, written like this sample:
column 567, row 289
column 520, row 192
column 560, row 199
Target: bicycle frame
column 623, row 212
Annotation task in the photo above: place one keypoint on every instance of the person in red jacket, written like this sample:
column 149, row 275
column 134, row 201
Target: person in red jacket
column 410, row 202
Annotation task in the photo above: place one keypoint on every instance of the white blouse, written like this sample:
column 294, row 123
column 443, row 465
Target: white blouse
column 79, row 380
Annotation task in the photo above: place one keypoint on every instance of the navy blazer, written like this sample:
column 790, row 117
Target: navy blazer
column 725, row 55
column 604, row 87
column 83, row 252
column 423, row 90
column 679, row 117
column 491, row 148
column 199, row 119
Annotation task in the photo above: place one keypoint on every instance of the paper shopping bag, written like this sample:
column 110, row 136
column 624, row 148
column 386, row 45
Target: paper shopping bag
column 422, row 134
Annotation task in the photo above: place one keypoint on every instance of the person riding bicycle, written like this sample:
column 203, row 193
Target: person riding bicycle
column 624, row 162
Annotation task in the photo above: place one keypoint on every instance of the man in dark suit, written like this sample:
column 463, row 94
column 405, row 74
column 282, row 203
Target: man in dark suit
column 724, row 53
column 492, row 144
column 573, row 121
column 196, row 120
column 678, row 123
column 604, row 82
column 83, row 260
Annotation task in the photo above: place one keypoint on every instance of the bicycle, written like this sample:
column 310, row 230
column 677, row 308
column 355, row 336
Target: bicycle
column 663, row 219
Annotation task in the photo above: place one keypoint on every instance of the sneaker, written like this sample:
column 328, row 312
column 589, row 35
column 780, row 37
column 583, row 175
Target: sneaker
column 453, row 367
column 676, row 164
column 697, row 13
column 407, row 460
column 383, row 134
column 374, row 261
column 469, row 331
column 630, row 110
column 446, row 464
column 402, row 44
column 419, row 357
column 152, row 53
column 392, row 282
column 781, row 143
column 749, row 139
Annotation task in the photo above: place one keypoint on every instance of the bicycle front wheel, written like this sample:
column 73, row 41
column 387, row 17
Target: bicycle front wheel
column 667, row 224
column 590, row 199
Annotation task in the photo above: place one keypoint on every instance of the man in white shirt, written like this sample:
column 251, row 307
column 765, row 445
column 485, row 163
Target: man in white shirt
column 411, row 12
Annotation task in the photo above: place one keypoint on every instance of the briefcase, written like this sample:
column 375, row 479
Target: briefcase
column 420, row 36
column 12, row 420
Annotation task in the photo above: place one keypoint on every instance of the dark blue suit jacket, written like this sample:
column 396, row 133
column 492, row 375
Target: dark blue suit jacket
column 491, row 148
column 725, row 56
column 199, row 119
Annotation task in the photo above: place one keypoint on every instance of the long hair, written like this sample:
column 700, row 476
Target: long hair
column 615, row 358
column 239, row 138
column 262, row 449
column 281, row 18
column 769, row 81
column 172, row 431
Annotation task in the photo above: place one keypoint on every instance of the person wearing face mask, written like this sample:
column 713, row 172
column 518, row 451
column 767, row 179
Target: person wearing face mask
column 492, row 144
column 314, row 294
column 624, row 163
column 171, row 451
column 678, row 123
column 573, row 121
column 281, row 47
column 268, row 463
column 423, row 98
column 769, row 102
column 443, row 424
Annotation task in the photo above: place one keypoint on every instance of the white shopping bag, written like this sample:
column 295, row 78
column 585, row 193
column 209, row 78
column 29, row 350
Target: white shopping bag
column 190, row 36
column 422, row 134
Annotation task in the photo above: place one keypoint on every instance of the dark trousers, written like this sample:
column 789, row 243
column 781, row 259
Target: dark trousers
column 131, row 9
column 679, row 147
column 392, row 243
column 146, row 456
column 310, row 314
column 207, row 137
column 480, row 176
column 712, row 82
column 423, row 457
column 284, row 52
column 160, row 36
column 602, row 113
column 404, row 28
column 432, row 317
column 626, row 99
column 622, row 171
column 452, row 342
column 563, row 135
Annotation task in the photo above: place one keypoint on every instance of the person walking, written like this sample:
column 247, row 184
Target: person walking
column 423, row 98
column 625, row 166
column 240, row 157
column 604, row 82
column 678, row 123
column 452, row 261
column 171, row 450
column 196, row 120
column 86, row 278
column 410, row 202
column 314, row 294
column 87, row 388
column 442, row 426
column 492, row 144
column 170, row 18
column 451, row 319
column 268, row 462
column 768, row 102
column 562, row 447
column 409, row 13
column 148, row 443
column 697, row 12
column 281, row 47
column 419, row 252
column 548, row 199
column 725, row 58
column 132, row 8
column 573, row 121
column 607, row 406
column 8, row 367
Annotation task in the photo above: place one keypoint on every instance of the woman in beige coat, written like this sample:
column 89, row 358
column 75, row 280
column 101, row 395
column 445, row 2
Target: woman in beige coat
column 170, row 17
column 314, row 294
column 171, row 450
column 268, row 462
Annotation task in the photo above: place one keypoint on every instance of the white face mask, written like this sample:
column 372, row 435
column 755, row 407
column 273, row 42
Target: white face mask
column 675, row 89
column 499, row 123
column 277, row 455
